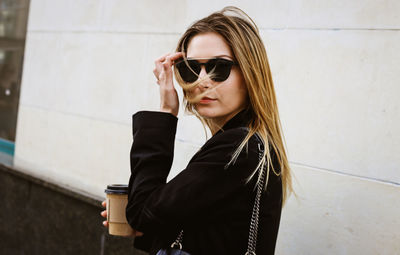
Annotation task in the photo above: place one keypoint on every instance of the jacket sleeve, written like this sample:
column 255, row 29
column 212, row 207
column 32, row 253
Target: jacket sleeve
column 153, row 204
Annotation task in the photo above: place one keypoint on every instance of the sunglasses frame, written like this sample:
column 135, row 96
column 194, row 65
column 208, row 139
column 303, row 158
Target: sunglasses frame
column 209, row 67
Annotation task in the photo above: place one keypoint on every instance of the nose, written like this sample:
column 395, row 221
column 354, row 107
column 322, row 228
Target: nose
column 206, row 82
column 202, row 71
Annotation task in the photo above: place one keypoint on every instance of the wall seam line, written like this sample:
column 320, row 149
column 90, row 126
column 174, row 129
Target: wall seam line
column 100, row 32
column 346, row 174
column 178, row 33
column 330, row 29
column 43, row 108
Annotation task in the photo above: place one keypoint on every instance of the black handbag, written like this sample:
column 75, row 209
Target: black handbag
column 176, row 247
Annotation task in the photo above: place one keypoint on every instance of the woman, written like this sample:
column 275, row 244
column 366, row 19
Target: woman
column 222, row 66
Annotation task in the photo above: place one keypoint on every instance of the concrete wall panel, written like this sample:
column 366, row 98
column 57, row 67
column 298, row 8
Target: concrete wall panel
column 338, row 214
column 337, row 93
column 152, row 16
column 65, row 15
column 108, row 16
column 308, row 14
column 74, row 151
column 95, row 75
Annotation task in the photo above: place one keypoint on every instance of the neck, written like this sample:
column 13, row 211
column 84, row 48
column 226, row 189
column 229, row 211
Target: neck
column 215, row 124
column 214, row 127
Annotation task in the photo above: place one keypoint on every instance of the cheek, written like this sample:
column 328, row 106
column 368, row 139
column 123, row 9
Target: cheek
column 241, row 96
column 193, row 91
column 238, row 90
column 233, row 97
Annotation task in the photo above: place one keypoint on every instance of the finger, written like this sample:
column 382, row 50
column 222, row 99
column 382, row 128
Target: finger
column 172, row 57
column 167, row 71
column 105, row 224
column 104, row 203
column 158, row 63
column 156, row 74
column 104, row 214
column 162, row 58
column 176, row 55
column 158, row 66
column 169, row 60
column 157, row 70
column 138, row 233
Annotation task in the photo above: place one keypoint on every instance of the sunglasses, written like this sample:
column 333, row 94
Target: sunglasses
column 190, row 69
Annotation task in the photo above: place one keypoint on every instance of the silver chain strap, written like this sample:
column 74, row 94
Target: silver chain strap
column 178, row 241
column 251, row 246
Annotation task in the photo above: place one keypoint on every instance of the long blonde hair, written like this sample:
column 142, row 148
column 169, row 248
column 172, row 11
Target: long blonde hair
column 242, row 35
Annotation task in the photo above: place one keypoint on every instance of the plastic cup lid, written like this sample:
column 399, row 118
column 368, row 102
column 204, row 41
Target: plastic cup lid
column 117, row 189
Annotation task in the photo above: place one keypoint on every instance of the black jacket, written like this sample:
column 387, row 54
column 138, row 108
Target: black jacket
column 211, row 204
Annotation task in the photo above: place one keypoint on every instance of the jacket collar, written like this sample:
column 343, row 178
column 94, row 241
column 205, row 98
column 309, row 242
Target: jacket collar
column 241, row 119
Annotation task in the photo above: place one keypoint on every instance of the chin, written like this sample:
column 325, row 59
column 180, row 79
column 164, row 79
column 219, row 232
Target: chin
column 215, row 117
column 206, row 115
column 206, row 112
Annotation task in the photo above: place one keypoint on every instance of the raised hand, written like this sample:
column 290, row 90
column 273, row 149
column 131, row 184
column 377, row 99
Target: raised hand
column 169, row 101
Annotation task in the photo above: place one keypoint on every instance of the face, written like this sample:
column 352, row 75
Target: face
column 230, row 96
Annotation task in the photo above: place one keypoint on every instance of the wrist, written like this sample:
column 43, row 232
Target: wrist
column 175, row 113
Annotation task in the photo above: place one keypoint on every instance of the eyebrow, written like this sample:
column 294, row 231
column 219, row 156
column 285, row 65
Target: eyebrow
column 218, row 56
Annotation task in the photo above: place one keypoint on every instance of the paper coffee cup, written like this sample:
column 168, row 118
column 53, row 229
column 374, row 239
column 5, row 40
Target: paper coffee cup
column 117, row 199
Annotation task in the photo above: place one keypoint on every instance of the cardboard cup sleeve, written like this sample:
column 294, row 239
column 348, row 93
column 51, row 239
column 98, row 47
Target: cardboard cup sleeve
column 117, row 199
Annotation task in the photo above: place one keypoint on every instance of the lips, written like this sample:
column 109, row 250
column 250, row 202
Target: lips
column 206, row 100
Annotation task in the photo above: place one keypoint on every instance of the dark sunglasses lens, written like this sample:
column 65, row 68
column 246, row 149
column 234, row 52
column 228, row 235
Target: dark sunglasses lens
column 189, row 73
column 220, row 68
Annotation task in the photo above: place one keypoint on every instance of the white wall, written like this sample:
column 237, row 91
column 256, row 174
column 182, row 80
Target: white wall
column 88, row 68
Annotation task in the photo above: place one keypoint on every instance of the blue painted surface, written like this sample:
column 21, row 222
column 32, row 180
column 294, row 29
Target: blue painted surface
column 7, row 147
